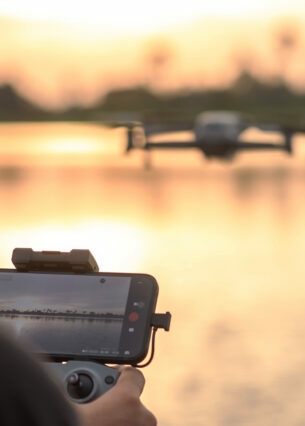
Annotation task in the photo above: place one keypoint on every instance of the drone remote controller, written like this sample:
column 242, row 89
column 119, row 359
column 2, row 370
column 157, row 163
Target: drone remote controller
column 84, row 381
column 85, row 377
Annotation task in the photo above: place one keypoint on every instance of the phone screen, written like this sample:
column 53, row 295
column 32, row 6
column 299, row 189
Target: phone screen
column 102, row 316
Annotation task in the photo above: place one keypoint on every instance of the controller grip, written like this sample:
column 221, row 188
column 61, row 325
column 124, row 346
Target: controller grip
column 83, row 381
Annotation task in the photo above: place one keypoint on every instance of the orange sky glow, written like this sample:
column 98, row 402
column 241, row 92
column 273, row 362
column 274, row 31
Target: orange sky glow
column 60, row 55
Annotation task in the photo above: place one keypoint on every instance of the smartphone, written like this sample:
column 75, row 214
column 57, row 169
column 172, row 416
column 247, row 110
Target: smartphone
column 104, row 317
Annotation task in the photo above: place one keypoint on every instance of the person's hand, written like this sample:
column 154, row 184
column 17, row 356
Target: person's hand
column 121, row 405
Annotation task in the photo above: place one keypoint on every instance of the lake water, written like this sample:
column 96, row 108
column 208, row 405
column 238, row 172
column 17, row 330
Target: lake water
column 67, row 333
column 225, row 242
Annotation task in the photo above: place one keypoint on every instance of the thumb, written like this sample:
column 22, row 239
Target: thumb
column 131, row 380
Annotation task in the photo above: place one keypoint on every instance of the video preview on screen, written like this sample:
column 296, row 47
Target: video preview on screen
column 65, row 314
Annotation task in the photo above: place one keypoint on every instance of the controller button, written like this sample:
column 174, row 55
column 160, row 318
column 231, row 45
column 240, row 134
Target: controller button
column 133, row 316
column 109, row 380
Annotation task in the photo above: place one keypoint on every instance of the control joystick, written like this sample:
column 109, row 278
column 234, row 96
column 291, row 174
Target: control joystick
column 84, row 381
column 79, row 386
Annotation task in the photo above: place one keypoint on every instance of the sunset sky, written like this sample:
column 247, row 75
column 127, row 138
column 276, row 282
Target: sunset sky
column 54, row 292
column 137, row 16
column 70, row 52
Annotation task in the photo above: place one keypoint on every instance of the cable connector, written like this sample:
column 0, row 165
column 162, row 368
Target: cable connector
column 161, row 321
column 157, row 321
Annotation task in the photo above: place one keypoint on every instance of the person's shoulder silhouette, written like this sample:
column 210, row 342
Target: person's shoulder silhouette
column 28, row 395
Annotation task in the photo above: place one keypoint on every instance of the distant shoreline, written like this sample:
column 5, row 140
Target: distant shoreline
column 71, row 315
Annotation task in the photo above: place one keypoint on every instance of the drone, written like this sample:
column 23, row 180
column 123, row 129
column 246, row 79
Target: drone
column 216, row 134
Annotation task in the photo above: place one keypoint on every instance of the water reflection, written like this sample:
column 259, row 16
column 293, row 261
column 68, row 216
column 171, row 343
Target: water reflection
column 225, row 242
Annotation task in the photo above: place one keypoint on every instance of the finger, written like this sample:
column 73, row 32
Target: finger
column 132, row 380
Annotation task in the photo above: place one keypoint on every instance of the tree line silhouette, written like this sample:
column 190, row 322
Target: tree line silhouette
column 266, row 102
column 55, row 313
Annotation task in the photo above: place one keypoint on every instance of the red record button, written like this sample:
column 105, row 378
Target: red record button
column 133, row 316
